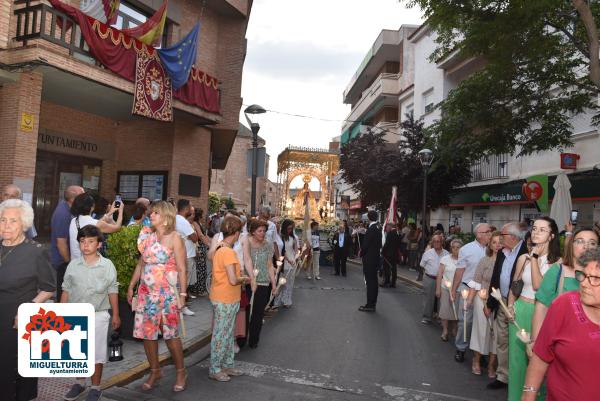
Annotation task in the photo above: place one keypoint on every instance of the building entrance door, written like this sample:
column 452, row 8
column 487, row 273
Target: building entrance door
column 54, row 172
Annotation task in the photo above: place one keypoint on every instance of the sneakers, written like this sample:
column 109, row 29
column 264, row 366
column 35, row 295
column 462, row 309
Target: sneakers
column 74, row 392
column 187, row 311
column 426, row 321
column 94, row 395
column 309, row 277
column 317, row 278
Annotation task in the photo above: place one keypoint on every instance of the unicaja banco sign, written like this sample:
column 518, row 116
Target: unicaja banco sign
column 56, row 340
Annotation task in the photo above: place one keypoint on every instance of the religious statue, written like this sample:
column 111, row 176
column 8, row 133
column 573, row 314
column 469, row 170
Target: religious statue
column 298, row 207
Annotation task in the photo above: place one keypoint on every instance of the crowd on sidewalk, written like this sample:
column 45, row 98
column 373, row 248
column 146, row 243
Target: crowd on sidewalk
column 525, row 301
column 245, row 266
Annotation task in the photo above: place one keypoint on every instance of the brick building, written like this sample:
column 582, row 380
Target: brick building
column 65, row 119
column 233, row 181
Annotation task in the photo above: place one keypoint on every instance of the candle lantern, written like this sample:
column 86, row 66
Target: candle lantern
column 116, row 348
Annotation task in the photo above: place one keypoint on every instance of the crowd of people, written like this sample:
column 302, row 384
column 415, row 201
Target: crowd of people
column 246, row 267
column 527, row 308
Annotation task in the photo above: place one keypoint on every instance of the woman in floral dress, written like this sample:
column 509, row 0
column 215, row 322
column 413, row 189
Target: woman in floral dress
column 162, row 266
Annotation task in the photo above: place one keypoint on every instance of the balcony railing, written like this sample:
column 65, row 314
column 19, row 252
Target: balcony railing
column 490, row 167
column 40, row 21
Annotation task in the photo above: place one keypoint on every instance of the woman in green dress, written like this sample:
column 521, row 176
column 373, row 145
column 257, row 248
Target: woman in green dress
column 561, row 277
column 529, row 271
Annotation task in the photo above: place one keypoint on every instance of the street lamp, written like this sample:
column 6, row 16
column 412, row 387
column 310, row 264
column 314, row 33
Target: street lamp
column 254, row 127
column 425, row 157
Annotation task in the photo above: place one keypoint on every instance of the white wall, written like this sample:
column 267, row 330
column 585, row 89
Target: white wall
column 427, row 77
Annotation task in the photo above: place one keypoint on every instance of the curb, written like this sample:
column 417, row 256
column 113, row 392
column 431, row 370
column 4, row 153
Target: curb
column 414, row 283
column 140, row 370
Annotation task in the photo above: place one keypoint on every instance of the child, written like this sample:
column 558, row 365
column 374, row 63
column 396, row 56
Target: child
column 92, row 279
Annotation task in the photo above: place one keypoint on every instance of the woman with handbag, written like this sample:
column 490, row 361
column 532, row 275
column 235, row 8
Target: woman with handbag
column 528, row 277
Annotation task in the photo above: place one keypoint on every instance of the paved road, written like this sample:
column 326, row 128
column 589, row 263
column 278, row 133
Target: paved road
column 324, row 349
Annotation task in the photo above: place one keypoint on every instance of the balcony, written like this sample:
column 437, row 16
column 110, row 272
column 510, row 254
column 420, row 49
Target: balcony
column 383, row 92
column 490, row 168
column 52, row 41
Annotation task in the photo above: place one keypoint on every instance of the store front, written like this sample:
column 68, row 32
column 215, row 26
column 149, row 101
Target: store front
column 503, row 203
column 63, row 160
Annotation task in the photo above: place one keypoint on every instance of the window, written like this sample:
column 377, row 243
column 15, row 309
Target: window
column 129, row 16
column 428, row 102
column 409, row 110
column 147, row 184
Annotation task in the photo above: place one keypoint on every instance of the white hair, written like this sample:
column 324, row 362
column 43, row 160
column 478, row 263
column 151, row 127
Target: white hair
column 24, row 207
column 478, row 226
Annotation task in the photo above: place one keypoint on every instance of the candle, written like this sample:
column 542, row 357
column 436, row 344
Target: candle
column 279, row 263
column 483, row 294
column 448, row 284
column 464, row 293
column 282, row 281
column 255, row 271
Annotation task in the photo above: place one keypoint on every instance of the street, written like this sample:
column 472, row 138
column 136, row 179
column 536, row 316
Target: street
column 324, row 348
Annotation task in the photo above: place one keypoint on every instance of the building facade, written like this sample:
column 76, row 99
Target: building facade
column 66, row 119
column 385, row 73
column 234, row 180
column 495, row 193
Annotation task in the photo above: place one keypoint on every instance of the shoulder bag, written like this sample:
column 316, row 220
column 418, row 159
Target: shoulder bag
column 516, row 287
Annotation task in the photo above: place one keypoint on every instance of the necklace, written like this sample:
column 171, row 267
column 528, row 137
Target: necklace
column 4, row 256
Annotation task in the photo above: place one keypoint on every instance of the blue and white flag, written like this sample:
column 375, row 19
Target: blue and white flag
column 179, row 58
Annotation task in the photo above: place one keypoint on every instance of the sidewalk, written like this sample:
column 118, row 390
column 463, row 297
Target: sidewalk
column 135, row 364
column 409, row 277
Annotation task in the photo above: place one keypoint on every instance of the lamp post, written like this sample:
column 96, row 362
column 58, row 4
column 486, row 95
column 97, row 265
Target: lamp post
column 254, row 127
column 425, row 157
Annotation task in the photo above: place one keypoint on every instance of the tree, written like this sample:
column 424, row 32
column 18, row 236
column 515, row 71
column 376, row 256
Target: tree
column 214, row 202
column 541, row 68
column 229, row 203
column 372, row 166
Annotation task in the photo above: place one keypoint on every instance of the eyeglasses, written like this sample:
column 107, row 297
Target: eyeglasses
column 581, row 276
column 589, row 244
column 484, row 232
column 540, row 229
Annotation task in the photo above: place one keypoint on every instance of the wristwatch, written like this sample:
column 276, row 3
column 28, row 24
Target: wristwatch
column 529, row 389
column 535, row 255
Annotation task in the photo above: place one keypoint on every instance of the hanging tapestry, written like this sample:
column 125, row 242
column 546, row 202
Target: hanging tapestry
column 153, row 94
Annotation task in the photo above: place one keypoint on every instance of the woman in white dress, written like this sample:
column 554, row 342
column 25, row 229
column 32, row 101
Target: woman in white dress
column 482, row 341
column 290, row 247
column 446, row 275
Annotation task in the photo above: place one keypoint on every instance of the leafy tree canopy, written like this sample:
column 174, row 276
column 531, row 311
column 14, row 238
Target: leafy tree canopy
column 214, row 202
column 372, row 166
column 540, row 68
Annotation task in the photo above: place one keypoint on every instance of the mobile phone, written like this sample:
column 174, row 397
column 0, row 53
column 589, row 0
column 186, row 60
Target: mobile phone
column 118, row 201
column 574, row 214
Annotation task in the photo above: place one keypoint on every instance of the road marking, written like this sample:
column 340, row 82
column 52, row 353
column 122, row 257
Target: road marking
column 326, row 382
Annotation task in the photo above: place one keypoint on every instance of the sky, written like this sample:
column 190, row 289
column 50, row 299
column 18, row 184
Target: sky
column 301, row 56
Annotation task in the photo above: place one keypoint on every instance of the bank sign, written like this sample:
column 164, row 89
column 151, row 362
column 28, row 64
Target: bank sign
column 56, row 340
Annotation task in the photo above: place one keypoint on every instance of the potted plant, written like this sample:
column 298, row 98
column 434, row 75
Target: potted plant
column 123, row 252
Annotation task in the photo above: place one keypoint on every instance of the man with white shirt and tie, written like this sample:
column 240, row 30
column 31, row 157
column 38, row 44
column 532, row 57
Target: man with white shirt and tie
column 342, row 243
column 502, row 276
column 468, row 259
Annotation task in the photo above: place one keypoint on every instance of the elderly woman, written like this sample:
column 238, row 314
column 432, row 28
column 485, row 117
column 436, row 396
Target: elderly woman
column 444, row 279
column 27, row 276
column 162, row 279
column 225, row 294
column 481, row 337
column 567, row 349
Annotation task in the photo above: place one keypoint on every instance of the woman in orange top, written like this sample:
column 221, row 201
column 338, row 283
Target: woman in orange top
column 225, row 297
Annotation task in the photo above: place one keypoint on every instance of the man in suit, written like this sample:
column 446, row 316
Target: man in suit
column 342, row 244
column 370, row 252
column 390, row 256
column 502, row 277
